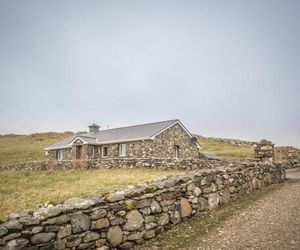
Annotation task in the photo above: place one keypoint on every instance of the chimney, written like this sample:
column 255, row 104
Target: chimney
column 94, row 128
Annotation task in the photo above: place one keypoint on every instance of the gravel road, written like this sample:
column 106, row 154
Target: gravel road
column 272, row 222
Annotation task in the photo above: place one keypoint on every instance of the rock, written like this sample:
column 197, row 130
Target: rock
column 185, row 208
column 115, row 197
column 73, row 242
column 17, row 244
column 12, row 236
column 12, row 225
column 136, row 236
column 202, row 204
column 79, row 203
column 90, row 236
column 115, row 236
column 150, row 225
column 60, row 244
column 134, row 220
column 130, row 204
column 64, row 231
column 213, row 201
column 117, row 221
column 29, row 221
column 149, row 234
column 86, row 245
column 58, row 220
column 97, row 214
column 3, row 231
column 36, row 230
column 191, row 187
column 163, row 219
column 197, row 191
column 46, row 212
column 155, row 207
column 149, row 218
column 42, row 238
column 103, row 248
column 225, row 196
column 127, row 245
column 100, row 242
column 143, row 203
column 101, row 223
column 80, row 223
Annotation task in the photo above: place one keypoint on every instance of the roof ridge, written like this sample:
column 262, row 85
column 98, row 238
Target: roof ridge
column 138, row 125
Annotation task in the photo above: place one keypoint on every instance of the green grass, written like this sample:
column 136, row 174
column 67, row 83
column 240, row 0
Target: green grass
column 22, row 148
column 227, row 151
column 26, row 189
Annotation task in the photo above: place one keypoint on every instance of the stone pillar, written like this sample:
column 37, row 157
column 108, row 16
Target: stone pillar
column 264, row 151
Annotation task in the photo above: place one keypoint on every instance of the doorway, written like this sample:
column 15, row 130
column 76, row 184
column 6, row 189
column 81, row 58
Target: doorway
column 78, row 152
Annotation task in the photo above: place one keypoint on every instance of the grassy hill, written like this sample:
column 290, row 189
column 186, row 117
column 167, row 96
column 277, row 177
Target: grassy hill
column 22, row 148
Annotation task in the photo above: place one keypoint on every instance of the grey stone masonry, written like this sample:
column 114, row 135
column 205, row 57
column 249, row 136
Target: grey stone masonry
column 121, row 219
column 264, row 151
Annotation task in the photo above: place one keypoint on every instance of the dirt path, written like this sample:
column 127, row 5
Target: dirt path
column 271, row 223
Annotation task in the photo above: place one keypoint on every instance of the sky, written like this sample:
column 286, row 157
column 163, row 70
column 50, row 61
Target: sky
column 224, row 68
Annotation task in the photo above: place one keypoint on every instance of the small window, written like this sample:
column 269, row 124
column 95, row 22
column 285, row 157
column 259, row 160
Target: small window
column 104, row 151
column 176, row 151
column 123, row 150
column 59, row 155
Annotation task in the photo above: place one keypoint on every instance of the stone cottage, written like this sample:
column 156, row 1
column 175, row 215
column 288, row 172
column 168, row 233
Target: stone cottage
column 166, row 139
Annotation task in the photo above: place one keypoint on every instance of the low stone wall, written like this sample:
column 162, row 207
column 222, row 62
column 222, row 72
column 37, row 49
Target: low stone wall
column 157, row 163
column 124, row 218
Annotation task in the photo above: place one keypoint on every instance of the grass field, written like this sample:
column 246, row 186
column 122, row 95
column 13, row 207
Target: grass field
column 26, row 189
column 225, row 150
column 22, row 148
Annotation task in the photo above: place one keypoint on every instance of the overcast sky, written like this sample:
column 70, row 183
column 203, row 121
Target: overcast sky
column 224, row 68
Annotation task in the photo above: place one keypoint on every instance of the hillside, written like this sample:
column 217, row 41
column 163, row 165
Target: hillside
column 237, row 150
column 22, row 148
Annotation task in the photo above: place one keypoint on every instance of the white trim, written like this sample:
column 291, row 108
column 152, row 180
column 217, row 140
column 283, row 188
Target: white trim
column 78, row 137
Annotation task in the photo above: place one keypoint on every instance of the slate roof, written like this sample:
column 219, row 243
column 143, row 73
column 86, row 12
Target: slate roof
column 117, row 135
column 210, row 156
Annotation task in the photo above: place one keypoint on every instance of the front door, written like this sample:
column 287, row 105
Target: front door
column 78, row 152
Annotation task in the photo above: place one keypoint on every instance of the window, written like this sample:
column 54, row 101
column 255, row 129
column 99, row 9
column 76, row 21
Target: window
column 176, row 151
column 122, row 150
column 59, row 155
column 93, row 151
column 104, row 151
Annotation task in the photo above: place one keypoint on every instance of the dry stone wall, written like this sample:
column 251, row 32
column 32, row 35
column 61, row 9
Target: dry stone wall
column 124, row 218
column 155, row 163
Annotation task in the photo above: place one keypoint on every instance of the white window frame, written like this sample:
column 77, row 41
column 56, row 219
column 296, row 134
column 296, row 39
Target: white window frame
column 93, row 151
column 123, row 148
column 60, row 155
column 102, row 151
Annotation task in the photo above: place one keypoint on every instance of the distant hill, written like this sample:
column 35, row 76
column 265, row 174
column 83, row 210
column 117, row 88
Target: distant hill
column 236, row 150
column 22, row 148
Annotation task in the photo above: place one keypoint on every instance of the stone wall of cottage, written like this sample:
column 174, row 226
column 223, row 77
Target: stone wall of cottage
column 124, row 218
column 162, row 147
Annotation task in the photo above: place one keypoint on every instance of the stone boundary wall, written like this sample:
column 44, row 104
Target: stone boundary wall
column 124, row 218
column 156, row 163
